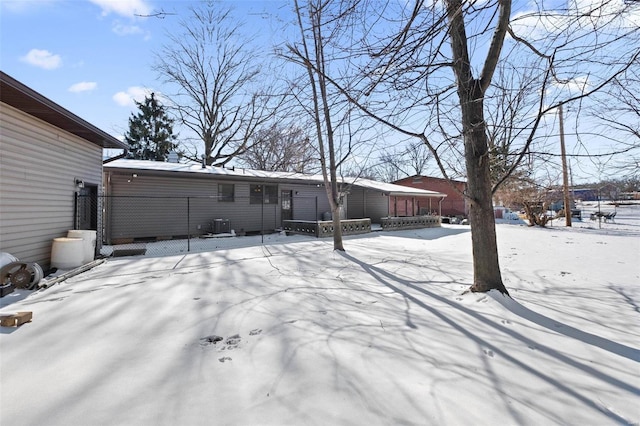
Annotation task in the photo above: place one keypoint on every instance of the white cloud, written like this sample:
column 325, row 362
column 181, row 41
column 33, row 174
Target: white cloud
column 579, row 16
column 83, row 86
column 124, row 30
column 134, row 93
column 24, row 6
column 127, row 8
column 43, row 59
column 574, row 85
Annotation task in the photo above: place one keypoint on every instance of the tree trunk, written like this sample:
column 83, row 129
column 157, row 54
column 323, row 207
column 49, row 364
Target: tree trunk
column 486, row 269
column 337, row 230
column 334, row 202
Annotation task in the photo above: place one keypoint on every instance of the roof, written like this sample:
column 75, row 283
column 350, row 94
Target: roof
column 416, row 177
column 196, row 170
column 19, row 96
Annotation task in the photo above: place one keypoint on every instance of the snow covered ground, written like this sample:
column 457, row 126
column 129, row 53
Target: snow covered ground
column 291, row 333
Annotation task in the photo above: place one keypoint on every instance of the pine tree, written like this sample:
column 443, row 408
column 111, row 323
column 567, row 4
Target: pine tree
column 150, row 135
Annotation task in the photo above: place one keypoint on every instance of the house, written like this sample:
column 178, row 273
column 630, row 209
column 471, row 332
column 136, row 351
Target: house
column 149, row 199
column 48, row 156
column 455, row 203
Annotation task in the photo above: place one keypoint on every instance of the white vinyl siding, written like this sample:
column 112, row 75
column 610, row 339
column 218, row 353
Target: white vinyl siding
column 38, row 167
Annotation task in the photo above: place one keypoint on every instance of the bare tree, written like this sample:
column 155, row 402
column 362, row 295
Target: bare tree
column 284, row 149
column 417, row 157
column 216, row 72
column 618, row 113
column 394, row 165
column 428, row 68
column 389, row 166
column 533, row 196
column 331, row 116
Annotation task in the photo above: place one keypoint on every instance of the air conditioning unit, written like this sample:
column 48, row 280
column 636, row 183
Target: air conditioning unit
column 221, row 226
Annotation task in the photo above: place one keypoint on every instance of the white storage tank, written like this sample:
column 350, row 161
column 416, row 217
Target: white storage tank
column 67, row 253
column 88, row 242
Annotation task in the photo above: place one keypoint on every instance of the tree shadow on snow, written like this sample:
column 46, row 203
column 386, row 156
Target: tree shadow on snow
column 543, row 321
column 404, row 288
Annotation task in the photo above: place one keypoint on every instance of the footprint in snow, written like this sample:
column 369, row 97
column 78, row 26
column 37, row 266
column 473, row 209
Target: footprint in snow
column 210, row 340
column 232, row 342
column 488, row 352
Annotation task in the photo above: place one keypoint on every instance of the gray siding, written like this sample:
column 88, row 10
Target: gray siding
column 152, row 206
column 356, row 205
column 38, row 167
column 309, row 201
column 376, row 206
column 149, row 206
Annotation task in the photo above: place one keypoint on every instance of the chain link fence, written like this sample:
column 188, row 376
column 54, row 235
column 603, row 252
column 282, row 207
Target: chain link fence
column 160, row 225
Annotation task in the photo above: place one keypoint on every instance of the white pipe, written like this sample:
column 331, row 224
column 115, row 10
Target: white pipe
column 48, row 283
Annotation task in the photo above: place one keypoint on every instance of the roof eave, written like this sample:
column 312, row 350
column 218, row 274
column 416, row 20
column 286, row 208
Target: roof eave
column 416, row 194
column 21, row 97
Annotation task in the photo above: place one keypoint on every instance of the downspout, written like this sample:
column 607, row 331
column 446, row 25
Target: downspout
column 440, row 206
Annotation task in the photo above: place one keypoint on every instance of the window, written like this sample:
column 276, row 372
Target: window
column 226, row 192
column 270, row 194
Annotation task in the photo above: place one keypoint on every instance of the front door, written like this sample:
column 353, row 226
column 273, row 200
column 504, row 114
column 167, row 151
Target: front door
column 286, row 205
column 87, row 208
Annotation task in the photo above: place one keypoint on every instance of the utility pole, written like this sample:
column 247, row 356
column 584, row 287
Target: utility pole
column 565, row 174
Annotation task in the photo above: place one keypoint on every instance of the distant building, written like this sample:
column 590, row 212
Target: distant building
column 585, row 194
column 454, row 204
column 147, row 199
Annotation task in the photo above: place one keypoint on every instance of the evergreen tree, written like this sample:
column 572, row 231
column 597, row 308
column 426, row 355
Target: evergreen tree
column 150, row 135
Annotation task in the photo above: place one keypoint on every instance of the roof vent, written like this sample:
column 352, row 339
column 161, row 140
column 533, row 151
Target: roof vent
column 173, row 157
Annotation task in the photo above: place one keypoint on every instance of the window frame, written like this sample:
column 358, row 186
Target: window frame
column 223, row 196
column 261, row 193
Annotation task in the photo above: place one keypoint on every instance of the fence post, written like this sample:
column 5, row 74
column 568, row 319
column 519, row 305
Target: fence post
column 188, row 224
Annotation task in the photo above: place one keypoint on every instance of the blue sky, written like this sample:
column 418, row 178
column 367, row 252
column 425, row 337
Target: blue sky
column 94, row 56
